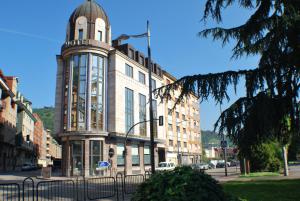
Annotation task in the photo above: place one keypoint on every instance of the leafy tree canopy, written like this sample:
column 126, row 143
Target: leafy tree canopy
column 271, row 106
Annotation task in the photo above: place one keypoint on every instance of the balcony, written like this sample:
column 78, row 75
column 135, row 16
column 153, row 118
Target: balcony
column 185, row 136
column 170, row 148
column 170, row 119
column 170, row 134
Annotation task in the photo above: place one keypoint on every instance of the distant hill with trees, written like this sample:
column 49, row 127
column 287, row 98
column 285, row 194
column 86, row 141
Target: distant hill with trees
column 47, row 116
column 211, row 138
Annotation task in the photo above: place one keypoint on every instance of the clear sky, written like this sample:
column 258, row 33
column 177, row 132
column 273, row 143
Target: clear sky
column 32, row 32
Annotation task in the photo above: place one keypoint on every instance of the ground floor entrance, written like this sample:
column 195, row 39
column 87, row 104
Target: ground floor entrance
column 83, row 156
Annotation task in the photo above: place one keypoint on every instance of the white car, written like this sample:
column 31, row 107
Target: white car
column 165, row 166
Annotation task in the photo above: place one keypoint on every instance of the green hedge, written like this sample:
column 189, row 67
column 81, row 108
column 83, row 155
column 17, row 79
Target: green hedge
column 182, row 184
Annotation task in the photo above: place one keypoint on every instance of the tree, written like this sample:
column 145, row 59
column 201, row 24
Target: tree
column 270, row 108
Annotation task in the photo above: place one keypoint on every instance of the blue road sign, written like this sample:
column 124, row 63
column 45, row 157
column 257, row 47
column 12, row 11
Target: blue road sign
column 103, row 164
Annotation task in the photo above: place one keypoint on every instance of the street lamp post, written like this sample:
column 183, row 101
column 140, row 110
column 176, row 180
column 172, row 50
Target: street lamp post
column 147, row 34
column 160, row 119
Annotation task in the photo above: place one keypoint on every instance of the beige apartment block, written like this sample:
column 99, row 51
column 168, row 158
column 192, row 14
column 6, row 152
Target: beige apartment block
column 53, row 149
column 183, row 134
column 102, row 90
column 25, row 132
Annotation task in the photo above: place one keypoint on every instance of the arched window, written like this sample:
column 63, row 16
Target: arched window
column 81, row 28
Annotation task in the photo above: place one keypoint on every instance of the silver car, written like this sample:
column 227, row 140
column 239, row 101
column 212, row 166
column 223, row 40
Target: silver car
column 200, row 166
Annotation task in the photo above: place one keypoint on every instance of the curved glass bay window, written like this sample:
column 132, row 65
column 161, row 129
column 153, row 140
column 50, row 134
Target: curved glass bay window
column 81, row 75
column 78, row 114
column 97, row 93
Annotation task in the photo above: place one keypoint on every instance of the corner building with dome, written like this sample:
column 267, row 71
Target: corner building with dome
column 101, row 91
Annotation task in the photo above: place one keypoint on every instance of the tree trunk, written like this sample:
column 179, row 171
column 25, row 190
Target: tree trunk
column 286, row 168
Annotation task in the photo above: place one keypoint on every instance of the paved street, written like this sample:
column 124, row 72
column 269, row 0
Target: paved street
column 70, row 188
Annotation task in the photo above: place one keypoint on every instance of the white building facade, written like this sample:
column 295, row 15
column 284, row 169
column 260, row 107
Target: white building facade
column 101, row 91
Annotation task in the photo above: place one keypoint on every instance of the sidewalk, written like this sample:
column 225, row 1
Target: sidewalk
column 294, row 173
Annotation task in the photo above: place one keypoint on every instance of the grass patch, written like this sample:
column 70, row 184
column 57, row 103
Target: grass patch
column 260, row 174
column 294, row 162
column 279, row 190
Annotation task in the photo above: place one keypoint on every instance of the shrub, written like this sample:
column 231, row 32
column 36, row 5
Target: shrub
column 265, row 157
column 274, row 165
column 182, row 184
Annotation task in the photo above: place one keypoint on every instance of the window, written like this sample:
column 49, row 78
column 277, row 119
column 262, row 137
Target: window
column 177, row 115
column 77, row 156
column 178, row 129
column 135, row 155
column 120, row 158
column 141, row 60
column 79, row 92
column 171, row 143
column 142, row 114
column 80, row 34
column 170, row 127
column 129, row 71
column 184, row 130
column 97, row 89
column 169, row 111
column 168, row 81
column 147, row 155
column 99, row 36
column 153, row 82
column 131, row 54
column 183, row 117
column 142, row 78
column 95, row 155
column 185, row 145
column 128, row 109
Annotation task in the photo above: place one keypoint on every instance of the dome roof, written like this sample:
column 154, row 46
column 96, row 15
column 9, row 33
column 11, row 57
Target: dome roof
column 91, row 10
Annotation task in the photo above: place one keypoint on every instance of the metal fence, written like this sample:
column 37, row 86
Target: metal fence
column 10, row 191
column 81, row 189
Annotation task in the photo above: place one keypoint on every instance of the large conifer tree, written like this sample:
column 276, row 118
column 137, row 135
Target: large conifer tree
column 270, row 109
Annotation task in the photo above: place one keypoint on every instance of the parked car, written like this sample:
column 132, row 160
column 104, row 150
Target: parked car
column 27, row 167
column 200, row 166
column 165, row 166
column 222, row 164
column 234, row 163
column 212, row 164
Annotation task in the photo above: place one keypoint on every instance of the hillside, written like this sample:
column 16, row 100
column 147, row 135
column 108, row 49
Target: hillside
column 47, row 116
column 210, row 138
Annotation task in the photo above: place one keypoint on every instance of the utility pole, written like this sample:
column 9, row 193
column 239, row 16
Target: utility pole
column 150, row 101
column 224, row 146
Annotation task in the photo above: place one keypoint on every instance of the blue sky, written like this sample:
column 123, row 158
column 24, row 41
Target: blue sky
column 32, row 32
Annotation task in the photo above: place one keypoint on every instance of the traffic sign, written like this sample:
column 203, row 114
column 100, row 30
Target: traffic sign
column 223, row 143
column 103, row 165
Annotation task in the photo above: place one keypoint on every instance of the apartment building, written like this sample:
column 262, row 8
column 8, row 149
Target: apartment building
column 183, row 134
column 102, row 90
column 25, row 131
column 8, row 122
column 39, row 141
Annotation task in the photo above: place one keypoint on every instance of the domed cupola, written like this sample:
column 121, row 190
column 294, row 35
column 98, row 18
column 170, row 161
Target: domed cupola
column 89, row 21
